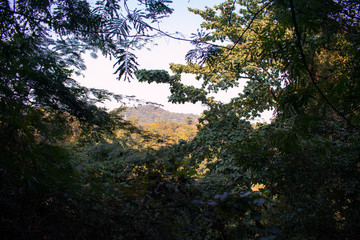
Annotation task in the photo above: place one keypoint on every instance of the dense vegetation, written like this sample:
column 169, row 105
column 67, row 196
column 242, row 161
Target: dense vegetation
column 168, row 127
column 71, row 170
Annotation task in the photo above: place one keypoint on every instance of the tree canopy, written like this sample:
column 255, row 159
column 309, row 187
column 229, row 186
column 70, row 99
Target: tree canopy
column 41, row 47
column 299, row 59
column 72, row 170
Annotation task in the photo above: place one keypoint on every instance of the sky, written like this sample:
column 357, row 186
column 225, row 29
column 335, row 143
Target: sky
column 99, row 73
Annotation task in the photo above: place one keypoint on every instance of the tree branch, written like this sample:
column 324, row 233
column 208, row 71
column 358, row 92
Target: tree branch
column 249, row 25
column 297, row 32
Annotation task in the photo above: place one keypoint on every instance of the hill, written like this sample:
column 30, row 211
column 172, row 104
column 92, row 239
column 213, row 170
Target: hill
column 151, row 114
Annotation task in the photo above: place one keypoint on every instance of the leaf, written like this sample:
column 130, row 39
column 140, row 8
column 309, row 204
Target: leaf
column 127, row 64
column 93, row 55
column 191, row 173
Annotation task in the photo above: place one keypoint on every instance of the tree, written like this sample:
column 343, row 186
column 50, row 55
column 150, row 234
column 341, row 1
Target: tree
column 41, row 43
column 299, row 59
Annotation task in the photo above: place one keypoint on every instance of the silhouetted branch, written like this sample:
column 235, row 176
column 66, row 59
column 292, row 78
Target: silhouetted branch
column 297, row 32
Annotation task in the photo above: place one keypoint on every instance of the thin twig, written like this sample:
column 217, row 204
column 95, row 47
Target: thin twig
column 231, row 14
column 249, row 25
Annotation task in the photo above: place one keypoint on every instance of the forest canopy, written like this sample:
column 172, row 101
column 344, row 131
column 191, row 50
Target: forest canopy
column 72, row 170
column 299, row 59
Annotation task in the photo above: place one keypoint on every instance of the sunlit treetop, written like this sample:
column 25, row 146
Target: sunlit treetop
column 282, row 51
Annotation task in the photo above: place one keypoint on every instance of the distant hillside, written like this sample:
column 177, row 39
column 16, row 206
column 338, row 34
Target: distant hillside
column 151, row 114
